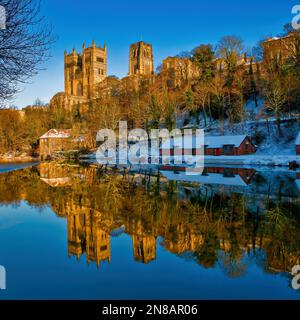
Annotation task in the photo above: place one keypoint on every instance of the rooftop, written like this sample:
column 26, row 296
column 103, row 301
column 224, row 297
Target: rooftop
column 209, row 141
column 57, row 134
column 220, row 141
column 211, row 178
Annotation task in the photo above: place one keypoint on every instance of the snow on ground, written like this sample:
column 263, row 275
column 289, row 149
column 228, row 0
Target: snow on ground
column 262, row 130
column 253, row 160
column 264, row 135
column 273, row 149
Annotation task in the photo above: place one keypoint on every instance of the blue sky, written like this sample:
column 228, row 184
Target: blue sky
column 171, row 26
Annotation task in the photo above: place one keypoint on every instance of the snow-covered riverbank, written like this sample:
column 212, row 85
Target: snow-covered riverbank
column 273, row 149
column 255, row 160
column 247, row 160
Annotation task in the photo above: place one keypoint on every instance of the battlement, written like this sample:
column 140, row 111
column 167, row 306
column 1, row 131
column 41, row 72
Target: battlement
column 83, row 71
column 86, row 49
column 140, row 44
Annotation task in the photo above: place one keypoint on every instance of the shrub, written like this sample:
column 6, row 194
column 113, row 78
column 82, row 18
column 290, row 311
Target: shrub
column 258, row 137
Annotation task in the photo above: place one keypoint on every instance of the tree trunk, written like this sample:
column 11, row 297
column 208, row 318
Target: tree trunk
column 278, row 123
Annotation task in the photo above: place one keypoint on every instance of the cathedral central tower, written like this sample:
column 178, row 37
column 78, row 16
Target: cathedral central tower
column 141, row 59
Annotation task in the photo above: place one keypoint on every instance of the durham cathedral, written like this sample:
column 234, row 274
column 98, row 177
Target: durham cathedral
column 86, row 77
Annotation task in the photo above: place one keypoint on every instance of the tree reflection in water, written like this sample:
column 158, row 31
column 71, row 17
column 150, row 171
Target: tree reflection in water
column 208, row 223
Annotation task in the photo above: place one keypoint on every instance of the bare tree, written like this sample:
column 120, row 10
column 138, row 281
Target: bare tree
column 24, row 44
column 258, row 50
column 39, row 102
column 276, row 98
column 230, row 48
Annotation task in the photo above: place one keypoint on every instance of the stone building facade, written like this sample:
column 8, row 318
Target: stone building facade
column 84, row 71
column 54, row 140
column 141, row 59
column 178, row 71
column 281, row 48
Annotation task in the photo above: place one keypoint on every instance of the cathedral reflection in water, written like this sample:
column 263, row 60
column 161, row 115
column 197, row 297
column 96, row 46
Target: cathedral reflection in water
column 223, row 216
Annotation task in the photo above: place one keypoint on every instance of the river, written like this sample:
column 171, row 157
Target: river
column 81, row 231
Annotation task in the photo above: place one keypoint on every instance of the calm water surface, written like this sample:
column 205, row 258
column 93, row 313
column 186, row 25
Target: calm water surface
column 86, row 232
